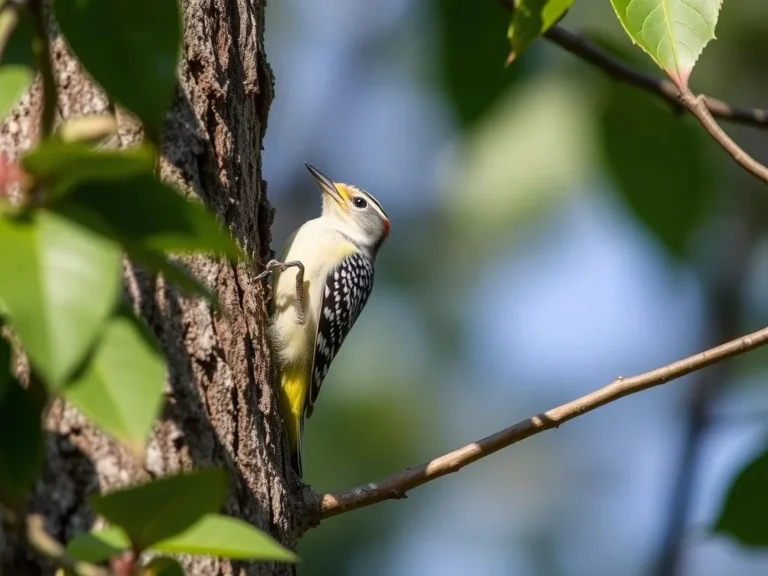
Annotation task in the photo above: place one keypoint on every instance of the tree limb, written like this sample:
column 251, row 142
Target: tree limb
column 397, row 485
column 698, row 107
column 661, row 87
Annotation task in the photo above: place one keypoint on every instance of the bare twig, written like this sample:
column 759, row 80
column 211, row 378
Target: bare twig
column 397, row 485
column 698, row 107
column 49, row 547
column 666, row 89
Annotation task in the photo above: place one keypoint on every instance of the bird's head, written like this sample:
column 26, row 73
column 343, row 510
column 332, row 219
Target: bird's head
column 357, row 212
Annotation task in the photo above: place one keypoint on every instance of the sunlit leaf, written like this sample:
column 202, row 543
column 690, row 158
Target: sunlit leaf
column 99, row 545
column 17, row 61
column 164, row 507
column 218, row 535
column 672, row 32
column 531, row 19
column 121, row 387
column 133, row 55
column 742, row 516
column 61, row 283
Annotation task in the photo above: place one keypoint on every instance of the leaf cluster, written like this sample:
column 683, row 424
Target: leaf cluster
column 83, row 207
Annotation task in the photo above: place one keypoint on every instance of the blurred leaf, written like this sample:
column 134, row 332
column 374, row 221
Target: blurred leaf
column 212, row 534
column 63, row 165
column 672, row 32
column 99, row 545
column 218, row 535
column 89, row 129
column 162, row 566
column 60, row 286
column 14, row 81
column 133, row 56
column 146, row 212
column 164, row 507
column 17, row 62
column 529, row 153
column 473, row 48
column 121, row 387
column 742, row 515
column 660, row 164
column 531, row 19
column 21, row 436
column 174, row 273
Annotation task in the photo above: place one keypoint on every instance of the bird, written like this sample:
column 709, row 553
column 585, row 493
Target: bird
column 320, row 286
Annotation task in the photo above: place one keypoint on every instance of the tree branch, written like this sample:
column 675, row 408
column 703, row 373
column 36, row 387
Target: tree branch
column 702, row 107
column 698, row 107
column 661, row 87
column 397, row 485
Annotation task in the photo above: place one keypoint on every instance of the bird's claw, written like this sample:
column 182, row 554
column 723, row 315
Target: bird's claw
column 283, row 266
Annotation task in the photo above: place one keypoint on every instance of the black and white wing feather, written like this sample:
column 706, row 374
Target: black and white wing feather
column 345, row 294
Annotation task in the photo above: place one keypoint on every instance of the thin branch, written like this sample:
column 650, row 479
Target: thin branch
column 397, row 485
column 661, row 87
column 51, row 548
column 698, row 107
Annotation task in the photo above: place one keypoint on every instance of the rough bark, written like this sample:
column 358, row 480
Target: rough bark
column 221, row 409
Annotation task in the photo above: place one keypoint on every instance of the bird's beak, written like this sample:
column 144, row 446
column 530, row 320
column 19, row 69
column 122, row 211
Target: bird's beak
column 328, row 186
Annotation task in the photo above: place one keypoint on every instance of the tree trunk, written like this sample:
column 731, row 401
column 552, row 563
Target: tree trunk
column 221, row 409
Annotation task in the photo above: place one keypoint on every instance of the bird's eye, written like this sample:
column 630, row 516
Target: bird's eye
column 359, row 202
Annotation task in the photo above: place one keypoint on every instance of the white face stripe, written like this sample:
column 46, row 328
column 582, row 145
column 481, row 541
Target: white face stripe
column 369, row 196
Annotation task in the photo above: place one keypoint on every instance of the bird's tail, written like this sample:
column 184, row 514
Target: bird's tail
column 292, row 396
column 296, row 451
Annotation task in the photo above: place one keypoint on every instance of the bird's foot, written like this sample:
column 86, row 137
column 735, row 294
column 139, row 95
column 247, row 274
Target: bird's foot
column 298, row 303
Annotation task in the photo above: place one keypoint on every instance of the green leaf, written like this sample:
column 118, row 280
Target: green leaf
column 61, row 284
column 21, row 436
column 742, row 516
column 173, row 272
column 660, row 164
column 14, row 81
column 165, row 507
column 17, row 65
column 163, row 566
column 134, row 55
column 121, row 387
column 62, row 165
column 218, row 535
column 21, row 442
column 531, row 19
column 672, row 32
column 99, row 545
column 146, row 212
column 473, row 80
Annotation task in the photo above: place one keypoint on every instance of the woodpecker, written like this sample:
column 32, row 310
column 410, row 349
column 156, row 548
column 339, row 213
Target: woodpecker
column 319, row 289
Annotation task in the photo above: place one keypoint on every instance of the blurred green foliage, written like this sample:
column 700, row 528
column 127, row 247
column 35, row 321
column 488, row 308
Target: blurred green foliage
column 662, row 167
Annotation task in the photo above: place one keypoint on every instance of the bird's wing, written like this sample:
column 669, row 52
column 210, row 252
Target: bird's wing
column 346, row 291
